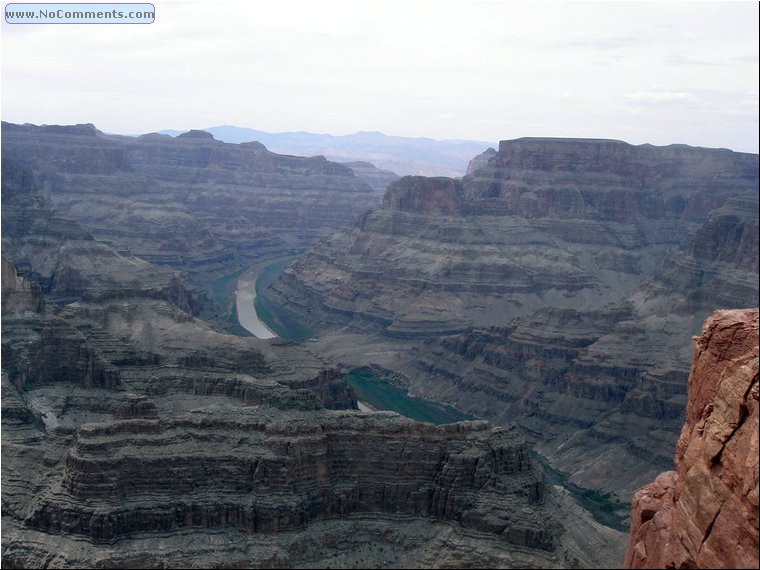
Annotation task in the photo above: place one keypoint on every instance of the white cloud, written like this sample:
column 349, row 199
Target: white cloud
column 483, row 70
column 659, row 97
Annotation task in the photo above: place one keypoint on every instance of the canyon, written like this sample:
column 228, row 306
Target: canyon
column 552, row 291
column 137, row 432
column 555, row 287
column 191, row 203
column 178, row 445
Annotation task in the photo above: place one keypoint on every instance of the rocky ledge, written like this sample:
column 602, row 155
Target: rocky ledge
column 267, row 470
column 705, row 513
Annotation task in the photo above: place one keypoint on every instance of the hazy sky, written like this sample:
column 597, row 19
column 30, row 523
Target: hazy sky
column 656, row 72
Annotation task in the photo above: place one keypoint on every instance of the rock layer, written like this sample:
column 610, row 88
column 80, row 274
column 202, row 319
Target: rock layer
column 375, row 178
column 192, row 203
column 569, row 274
column 67, row 263
column 545, row 223
column 237, row 458
column 135, row 434
column 273, row 470
column 705, row 513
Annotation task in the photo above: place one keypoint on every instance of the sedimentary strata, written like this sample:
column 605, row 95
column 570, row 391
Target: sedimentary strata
column 136, row 434
column 546, row 223
column 121, row 452
column 191, row 202
column 556, row 286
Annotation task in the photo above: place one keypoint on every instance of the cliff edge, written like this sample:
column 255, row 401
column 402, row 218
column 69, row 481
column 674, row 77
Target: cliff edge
column 705, row 514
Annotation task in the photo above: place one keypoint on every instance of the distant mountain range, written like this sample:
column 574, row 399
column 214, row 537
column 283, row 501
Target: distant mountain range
column 402, row 155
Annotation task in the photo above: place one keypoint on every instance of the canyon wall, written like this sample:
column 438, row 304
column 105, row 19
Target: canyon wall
column 555, row 286
column 552, row 290
column 191, row 202
column 546, row 223
column 136, row 434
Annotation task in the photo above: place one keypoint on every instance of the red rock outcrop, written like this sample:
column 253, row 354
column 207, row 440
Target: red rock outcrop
column 705, row 514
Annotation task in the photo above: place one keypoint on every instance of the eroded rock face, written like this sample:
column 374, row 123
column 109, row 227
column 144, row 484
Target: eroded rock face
column 273, row 470
column 136, row 434
column 481, row 160
column 545, row 223
column 67, row 263
column 192, row 203
column 557, row 289
column 376, row 178
column 427, row 196
column 18, row 293
column 221, row 448
column 705, row 514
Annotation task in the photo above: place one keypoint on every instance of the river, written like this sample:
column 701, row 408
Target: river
column 245, row 296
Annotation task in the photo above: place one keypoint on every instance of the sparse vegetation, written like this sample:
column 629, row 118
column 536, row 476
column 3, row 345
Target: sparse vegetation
column 606, row 508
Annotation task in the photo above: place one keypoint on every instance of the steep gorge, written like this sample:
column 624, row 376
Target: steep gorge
column 556, row 287
column 552, row 291
column 185, row 446
column 191, row 202
column 136, row 434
